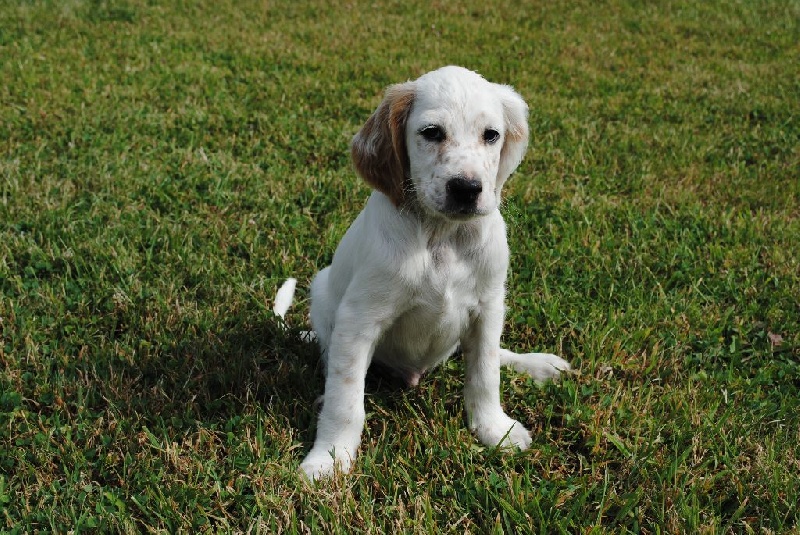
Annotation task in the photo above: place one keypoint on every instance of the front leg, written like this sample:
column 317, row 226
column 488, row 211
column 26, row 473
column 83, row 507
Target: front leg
column 481, row 348
column 341, row 419
column 540, row 366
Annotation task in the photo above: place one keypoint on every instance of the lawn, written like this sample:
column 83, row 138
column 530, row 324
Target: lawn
column 165, row 165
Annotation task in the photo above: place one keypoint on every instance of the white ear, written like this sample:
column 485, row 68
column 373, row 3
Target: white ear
column 515, row 113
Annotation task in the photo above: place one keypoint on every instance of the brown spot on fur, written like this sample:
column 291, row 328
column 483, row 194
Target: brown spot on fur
column 379, row 148
column 344, row 374
column 348, row 380
column 443, row 151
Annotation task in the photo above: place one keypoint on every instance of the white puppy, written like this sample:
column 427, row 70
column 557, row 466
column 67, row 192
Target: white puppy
column 422, row 269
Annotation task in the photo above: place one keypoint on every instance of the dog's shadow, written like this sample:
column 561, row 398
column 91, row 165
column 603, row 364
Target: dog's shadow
column 211, row 378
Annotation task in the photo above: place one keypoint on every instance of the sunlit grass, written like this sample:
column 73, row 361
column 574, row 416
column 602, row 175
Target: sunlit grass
column 164, row 166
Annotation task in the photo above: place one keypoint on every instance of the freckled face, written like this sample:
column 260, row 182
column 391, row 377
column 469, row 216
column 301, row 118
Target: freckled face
column 454, row 136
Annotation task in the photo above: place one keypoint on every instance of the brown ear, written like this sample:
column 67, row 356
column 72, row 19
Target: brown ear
column 379, row 148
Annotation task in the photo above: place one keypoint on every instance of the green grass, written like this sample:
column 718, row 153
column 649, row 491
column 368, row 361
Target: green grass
column 164, row 165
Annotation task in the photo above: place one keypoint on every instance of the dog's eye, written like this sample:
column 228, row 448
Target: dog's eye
column 490, row 135
column 432, row 133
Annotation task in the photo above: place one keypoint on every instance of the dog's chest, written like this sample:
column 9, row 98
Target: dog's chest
column 443, row 257
column 442, row 302
column 448, row 293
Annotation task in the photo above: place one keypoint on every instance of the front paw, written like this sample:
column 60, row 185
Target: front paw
column 321, row 464
column 504, row 432
column 550, row 366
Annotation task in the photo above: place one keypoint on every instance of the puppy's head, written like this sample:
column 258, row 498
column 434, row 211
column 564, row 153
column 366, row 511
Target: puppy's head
column 447, row 141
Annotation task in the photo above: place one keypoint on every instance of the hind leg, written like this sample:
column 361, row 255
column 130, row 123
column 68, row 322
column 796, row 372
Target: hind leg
column 540, row 366
column 322, row 312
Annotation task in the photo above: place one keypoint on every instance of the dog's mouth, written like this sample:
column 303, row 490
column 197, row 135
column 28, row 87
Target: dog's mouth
column 461, row 213
column 464, row 198
column 461, row 199
column 451, row 212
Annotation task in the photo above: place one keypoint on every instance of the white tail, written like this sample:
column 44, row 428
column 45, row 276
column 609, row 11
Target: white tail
column 284, row 298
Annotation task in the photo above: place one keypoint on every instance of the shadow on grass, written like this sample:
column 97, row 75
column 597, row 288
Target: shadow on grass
column 217, row 375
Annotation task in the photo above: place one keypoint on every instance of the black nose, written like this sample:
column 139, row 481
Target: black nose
column 463, row 191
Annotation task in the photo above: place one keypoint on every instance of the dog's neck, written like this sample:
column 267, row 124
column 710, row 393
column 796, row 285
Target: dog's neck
column 438, row 230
